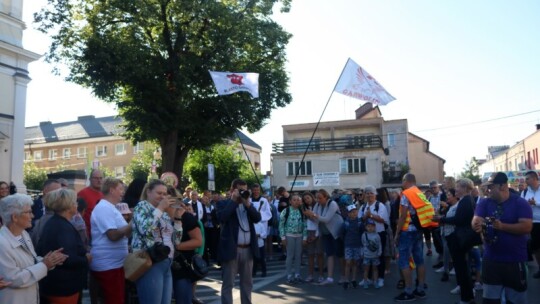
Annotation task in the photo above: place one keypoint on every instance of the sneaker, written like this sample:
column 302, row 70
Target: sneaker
column 404, row 297
column 298, row 279
column 320, row 280
column 368, row 281
column 445, row 277
column 346, row 285
column 419, row 294
column 429, row 252
column 456, row 290
column 452, row 272
column 380, row 283
column 366, row 284
column 354, row 284
column 438, row 265
column 328, row 281
column 478, row 286
column 309, row 279
column 290, row 279
column 440, row 270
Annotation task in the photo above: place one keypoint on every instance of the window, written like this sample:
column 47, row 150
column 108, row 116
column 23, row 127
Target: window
column 67, row 153
column 101, row 151
column 53, row 153
column 391, row 139
column 305, row 168
column 120, row 149
column 27, row 155
column 352, row 165
column 38, row 155
column 119, row 172
column 82, row 152
column 139, row 147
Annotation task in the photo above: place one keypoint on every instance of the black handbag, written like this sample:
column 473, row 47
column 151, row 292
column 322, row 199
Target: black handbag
column 197, row 268
column 158, row 251
column 467, row 238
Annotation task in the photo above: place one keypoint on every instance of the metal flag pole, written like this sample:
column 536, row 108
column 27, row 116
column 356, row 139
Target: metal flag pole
column 317, row 126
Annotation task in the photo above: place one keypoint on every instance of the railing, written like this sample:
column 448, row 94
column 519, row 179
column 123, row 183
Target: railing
column 347, row 143
column 392, row 176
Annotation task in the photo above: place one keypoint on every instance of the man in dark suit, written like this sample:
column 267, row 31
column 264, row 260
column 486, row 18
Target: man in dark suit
column 238, row 241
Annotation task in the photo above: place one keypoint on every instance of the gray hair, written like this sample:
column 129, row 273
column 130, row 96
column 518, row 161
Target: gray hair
column 370, row 189
column 465, row 183
column 433, row 183
column 13, row 205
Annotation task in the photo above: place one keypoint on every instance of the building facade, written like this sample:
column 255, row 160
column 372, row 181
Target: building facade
column 14, row 78
column 93, row 142
column 350, row 154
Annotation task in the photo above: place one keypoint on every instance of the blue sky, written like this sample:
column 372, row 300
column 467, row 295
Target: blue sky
column 450, row 65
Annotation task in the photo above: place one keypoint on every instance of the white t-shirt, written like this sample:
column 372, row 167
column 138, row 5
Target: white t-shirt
column 536, row 208
column 264, row 209
column 106, row 254
column 382, row 212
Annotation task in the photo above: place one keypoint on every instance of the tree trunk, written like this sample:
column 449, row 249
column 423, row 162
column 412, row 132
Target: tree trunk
column 168, row 151
column 179, row 160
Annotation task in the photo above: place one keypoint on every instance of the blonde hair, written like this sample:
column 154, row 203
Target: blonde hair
column 61, row 200
column 109, row 183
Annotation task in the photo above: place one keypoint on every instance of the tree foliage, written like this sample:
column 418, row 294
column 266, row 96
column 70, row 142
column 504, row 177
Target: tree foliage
column 34, row 177
column 471, row 172
column 151, row 58
column 141, row 165
column 227, row 162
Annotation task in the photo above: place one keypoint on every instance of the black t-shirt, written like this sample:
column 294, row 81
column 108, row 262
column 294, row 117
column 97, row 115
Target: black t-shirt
column 283, row 203
column 189, row 222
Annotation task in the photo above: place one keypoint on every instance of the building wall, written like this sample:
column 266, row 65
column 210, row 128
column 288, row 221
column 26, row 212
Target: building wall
column 423, row 164
column 398, row 149
column 531, row 150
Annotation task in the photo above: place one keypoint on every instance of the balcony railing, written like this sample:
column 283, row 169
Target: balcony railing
column 347, row 143
column 392, row 176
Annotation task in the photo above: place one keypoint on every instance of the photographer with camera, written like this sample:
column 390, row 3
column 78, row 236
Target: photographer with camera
column 505, row 220
column 238, row 241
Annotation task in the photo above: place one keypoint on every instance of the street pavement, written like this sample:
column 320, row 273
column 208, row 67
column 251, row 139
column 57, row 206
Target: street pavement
column 274, row 289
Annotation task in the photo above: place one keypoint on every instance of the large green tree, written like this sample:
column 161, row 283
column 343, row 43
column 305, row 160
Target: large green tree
column 151, row 58
column 227, row 162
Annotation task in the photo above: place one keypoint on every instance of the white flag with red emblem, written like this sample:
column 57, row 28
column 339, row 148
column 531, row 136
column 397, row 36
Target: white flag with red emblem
column 228, row 83
column 356, row 82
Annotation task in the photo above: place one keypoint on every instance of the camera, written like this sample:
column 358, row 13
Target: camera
column 245, row 194
column 488, row 232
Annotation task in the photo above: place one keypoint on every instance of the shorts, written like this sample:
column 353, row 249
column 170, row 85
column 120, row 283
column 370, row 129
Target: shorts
column 353, row 253
column 333, row 247
column 371, row 261
column 511, row 275
column 535, row 237
column 410, row 244
column 315, row 246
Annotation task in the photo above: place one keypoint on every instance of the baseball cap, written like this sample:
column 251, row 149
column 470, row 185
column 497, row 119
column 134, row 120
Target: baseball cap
column 370, row 222
column 497, row 178
column 351, row 207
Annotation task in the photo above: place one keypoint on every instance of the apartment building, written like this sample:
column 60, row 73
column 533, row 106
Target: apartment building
column 91, row 141
column 350, row 154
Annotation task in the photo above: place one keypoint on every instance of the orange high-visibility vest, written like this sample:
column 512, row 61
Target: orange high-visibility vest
column 424, row 208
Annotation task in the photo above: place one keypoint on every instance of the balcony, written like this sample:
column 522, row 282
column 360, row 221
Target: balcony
column 392, row 176
column 336, row 144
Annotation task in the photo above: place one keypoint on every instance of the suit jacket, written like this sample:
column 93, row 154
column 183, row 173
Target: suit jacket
column 226, row 213
column 464, row 214
column 18, row 266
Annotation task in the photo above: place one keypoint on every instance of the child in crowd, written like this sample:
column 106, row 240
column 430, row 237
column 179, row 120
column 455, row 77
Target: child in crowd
column 293, row 232
column 353, row 245
column 371, row 250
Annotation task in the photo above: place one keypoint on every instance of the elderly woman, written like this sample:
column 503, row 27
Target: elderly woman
column 326, row 215
column 152, row 224
column 110, row 233
column 460, row 215
column 20, row 267
column 64, row 283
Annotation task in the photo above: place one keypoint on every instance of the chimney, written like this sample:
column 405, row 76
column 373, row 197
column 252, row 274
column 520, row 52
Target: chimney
column 363, row 110
column 87, row 117
column 45, row 123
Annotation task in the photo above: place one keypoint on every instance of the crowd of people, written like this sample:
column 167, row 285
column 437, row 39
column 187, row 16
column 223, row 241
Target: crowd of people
column 63, row 242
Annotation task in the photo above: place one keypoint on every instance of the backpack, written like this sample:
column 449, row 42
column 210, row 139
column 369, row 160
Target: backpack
column 288, row 211
column 274, row 220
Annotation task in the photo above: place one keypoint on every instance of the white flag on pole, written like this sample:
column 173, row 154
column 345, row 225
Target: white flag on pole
column 228, row 83
column 357, row 83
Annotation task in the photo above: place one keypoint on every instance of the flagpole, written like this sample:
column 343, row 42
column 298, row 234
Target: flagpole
column 241, row 143
column 317, row 126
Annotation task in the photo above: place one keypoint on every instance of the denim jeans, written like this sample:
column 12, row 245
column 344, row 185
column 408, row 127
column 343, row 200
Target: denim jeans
column 155, row 286
column 410, row 243
column 183, row 292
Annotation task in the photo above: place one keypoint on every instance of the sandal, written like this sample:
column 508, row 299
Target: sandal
column 400, row 284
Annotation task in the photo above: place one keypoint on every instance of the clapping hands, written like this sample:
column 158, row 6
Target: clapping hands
column 54, row 258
